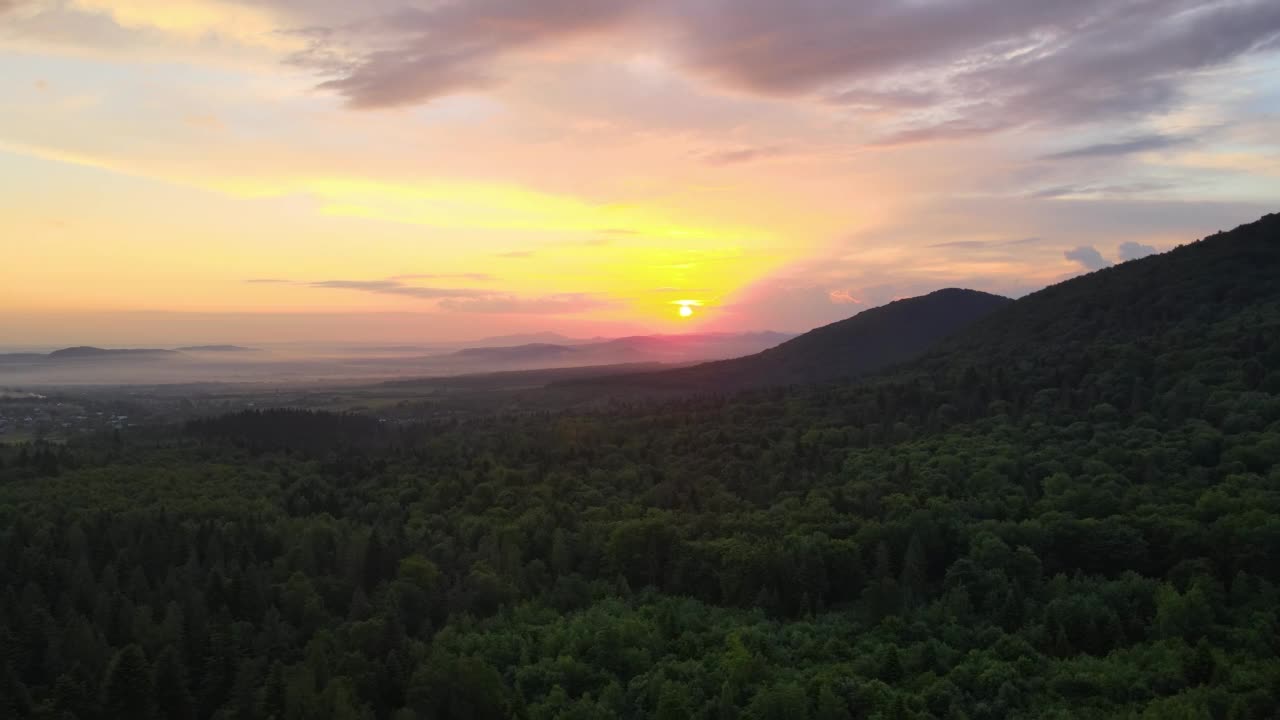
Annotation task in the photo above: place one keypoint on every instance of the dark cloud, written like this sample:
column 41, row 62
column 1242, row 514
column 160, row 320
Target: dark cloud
column 1134, row 251
column 396, row 77
column 446, row 48
column 1088, row 257
column 882, row 99
column 395, row 287
column 1144, row 143
column 781, row 48
column 564, row 303
column 1031, row 61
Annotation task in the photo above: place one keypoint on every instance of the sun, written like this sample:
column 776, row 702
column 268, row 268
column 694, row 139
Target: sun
column 685, row 307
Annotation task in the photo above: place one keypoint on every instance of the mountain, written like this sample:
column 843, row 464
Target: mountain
column 1134, row 320
column 867, row 342
column 83, row 352
column 672, row 349
column 73, row 361
column 217, row 348
column 537, row 338
column 688, row 347
column 531, row 353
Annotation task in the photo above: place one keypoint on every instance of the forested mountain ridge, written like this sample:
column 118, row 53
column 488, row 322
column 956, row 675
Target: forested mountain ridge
column 1185, row 290
column 867, row 342
column 1070, row 512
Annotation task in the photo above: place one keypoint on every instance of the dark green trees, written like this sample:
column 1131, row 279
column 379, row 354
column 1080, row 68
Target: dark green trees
column 127, row 688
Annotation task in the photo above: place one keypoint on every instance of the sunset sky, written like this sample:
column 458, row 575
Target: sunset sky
column 206, row 170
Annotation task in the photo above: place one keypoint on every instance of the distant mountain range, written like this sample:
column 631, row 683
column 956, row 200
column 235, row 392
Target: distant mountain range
column 86, row 352
column 535, row 338
column 217, row 348
column 636, row 349
column 199, row 363
column 516, row 354
column 89, row 352
column 867, row 342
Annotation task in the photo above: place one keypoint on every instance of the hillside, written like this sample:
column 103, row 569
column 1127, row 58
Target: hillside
column 1067, row 510
column 1142, row 321
column 867, row 342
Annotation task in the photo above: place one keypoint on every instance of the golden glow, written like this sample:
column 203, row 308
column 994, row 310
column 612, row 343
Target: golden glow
column 194, row 19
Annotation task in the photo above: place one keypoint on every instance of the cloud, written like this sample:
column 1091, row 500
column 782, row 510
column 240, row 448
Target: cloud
column 518, row 254
column 268, row 281
column 474, row 300
column 448, row 47
column 559, row 304
column 1088, row 257
column 1144, row 143
column 897, row 98
column 443, row 276
column 1101, row 191
column 1134, row 251
column 1032, row 61
column 843, row 297
column 395, row 287
column 922, row 62
column 737, row 156
column 985, row 244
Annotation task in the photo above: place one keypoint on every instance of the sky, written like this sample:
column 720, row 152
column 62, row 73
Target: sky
column 176, row 171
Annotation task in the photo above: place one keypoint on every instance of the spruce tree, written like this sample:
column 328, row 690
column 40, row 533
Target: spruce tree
column 126, row 687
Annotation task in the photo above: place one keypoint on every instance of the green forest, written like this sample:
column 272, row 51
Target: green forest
column 1069, row 510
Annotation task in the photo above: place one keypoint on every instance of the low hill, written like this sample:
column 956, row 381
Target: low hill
column 88, row 352
column 867, row 342
column 671, row 349
column 535, row 338
column 515, row 355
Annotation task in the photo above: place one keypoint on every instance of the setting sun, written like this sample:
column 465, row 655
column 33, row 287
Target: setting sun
column 686, row 307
